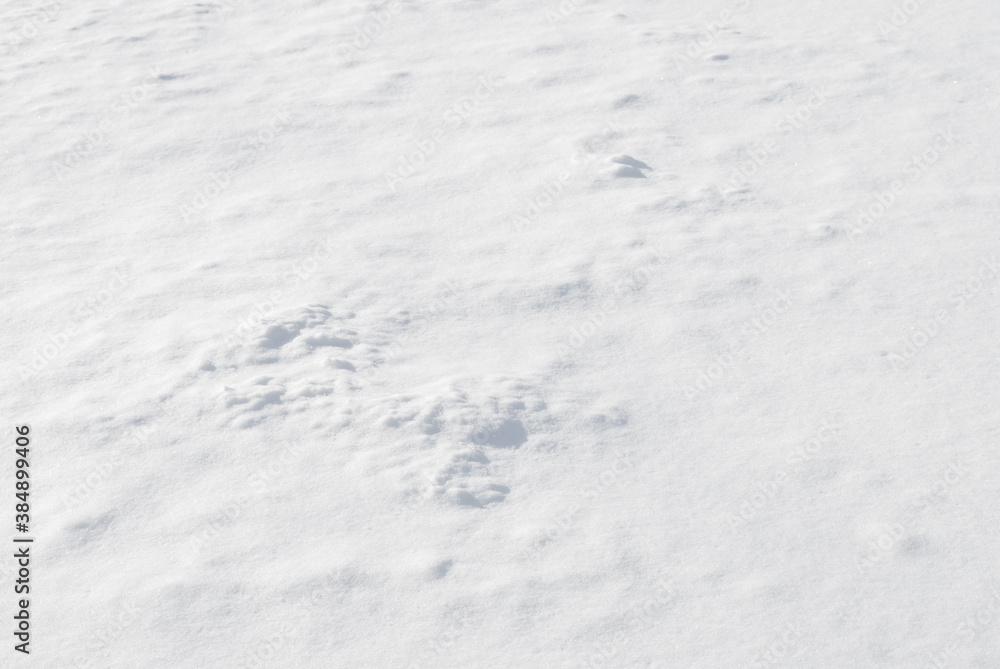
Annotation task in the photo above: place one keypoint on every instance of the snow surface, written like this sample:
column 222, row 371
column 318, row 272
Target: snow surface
column 464, row 343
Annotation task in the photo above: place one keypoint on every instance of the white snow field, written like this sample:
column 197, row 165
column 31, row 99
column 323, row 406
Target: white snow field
column 469, row 333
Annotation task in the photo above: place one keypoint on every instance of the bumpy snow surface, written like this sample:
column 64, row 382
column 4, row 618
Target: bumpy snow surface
column 469, row 333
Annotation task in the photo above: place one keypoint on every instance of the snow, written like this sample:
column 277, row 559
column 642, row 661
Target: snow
column 451, row 333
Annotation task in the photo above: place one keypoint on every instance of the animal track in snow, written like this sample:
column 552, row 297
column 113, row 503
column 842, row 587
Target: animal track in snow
column 305, row 331
column 464, row 478
column 305, row 352
column 459, row 437
column 444, row 443
column 507, row 434
column 626, row 101
column 624, row 166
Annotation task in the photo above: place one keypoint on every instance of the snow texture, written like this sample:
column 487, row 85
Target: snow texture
column 466, row 333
